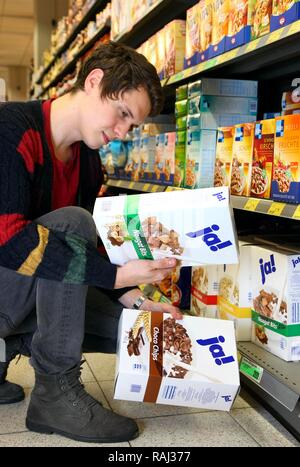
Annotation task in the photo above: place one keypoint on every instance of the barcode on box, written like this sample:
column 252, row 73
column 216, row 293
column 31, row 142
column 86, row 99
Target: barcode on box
column 106, row 204
column 169, row 392
column 135, row 388
column 295, row 313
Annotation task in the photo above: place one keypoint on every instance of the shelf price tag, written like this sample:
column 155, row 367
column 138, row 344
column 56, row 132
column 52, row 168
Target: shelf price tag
column 276, row 209
column 251, row 370
column 155, row 188
column 119, row 183
column 251, row 204
column 296, row 214
column 131, row 185
column 146, row 187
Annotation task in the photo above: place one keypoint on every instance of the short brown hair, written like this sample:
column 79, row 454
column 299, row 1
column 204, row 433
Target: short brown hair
column 124, row 69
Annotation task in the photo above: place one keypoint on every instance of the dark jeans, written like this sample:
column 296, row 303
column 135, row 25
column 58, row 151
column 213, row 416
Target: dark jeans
column 64, row 318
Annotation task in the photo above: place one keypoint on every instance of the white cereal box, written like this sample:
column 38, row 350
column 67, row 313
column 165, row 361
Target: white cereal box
column 204, row 291
column 190, row 362
column 235, row 295
column 194, row 226
column 276, row 301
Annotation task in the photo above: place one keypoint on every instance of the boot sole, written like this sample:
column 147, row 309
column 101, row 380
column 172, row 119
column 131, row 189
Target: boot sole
column 12, row 401
column 50, row 431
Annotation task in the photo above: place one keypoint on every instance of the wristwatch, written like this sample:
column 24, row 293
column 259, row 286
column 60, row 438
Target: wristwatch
column 138, row 303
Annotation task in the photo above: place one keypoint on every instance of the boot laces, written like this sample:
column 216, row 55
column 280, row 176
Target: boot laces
column 77, row 393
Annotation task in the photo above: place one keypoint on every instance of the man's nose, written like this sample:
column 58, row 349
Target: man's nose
column 121, row 130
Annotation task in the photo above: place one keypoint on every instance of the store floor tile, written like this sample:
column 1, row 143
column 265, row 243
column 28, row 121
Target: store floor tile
column 248, row 424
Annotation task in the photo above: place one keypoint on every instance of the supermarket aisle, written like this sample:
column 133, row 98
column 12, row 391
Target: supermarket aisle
column 248, row 424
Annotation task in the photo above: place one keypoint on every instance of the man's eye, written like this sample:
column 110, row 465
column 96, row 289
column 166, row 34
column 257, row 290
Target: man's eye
column 124, row 114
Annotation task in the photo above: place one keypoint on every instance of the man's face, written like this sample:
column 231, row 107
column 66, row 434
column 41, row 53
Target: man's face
column 112, row 119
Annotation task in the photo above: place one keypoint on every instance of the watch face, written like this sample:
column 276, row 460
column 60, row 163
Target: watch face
column 139, row 303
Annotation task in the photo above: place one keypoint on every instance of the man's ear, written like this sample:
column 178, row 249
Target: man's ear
column 93, row 80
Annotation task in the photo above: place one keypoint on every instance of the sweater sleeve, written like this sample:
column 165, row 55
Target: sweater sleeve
column 27, row 247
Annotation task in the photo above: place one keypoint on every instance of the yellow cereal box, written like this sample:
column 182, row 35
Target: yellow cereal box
column 238, row 16
column 284, row 12
column 161, row 53
column 220, row 17
column 223, row 156
column 286, row 169
column 175, row 34
column 259, row 16
column 205, row 26
column 192, row 47
column 263, row 156
column 242, row 159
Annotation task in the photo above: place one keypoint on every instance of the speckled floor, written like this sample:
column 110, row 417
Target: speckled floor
column 247, row 424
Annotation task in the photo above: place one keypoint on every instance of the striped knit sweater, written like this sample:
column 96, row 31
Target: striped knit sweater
column 25, row 194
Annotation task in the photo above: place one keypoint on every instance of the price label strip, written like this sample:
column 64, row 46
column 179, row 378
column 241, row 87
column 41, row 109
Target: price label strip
column 251, row 370
column 251, row 204
column 296, row 214
column 276, row 209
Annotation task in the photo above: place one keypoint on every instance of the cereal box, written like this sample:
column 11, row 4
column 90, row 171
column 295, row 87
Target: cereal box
column 200, row 158
column 192, row 47
column 147, row 157
column 239, row 29
column 286, row 169
column 235, row 296
column 220, row 17
column 222, row 87
column 191, row 362
column 169, row 159
column 211, row 121
column 222, row 104
column 175, row 34
column 284, row 12
column 205, row 28
column 161, row 53
column 276, row 302
column 159, row 158
column 194, row 226
column 291, row 100
column 204, row 291
column 259, row 17
column 263, row 156
column 132, row 168
column 180, row 151
column 222, row 175
column 242, row 159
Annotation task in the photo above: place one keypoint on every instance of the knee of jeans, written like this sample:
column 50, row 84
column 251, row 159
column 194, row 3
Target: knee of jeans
column 84, row 224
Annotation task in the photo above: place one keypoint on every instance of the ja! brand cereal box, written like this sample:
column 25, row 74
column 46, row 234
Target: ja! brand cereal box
column 194, row 226
column 286, row 168
column 242, row 159
column 263, row 156
column 223, row 161
column 276, row 302
column 191, row 362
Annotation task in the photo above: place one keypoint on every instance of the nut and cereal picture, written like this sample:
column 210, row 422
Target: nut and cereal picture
column 161, row 238
column 177, row 345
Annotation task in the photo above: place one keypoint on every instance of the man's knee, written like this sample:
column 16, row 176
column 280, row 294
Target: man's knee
column 71, row 219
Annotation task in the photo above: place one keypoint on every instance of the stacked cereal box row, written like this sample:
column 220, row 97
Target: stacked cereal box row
column 126, row 14
column 166, row 49
column 261, row 159
column 215, row 26
column 261, row 296
column 200, row 108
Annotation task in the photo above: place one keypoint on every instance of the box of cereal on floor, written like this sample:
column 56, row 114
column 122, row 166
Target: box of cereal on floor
column 190, row 362
column 194, row 226
column 276, row 301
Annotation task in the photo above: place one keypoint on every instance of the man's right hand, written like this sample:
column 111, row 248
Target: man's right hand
column 143, row 271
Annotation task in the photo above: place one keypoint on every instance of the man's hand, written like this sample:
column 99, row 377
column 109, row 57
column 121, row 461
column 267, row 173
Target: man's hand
column 129, row 298
column 144, row 272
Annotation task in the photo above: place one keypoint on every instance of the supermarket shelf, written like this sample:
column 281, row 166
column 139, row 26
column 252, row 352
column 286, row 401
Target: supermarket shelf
column 71, row 65
column 274, row 381
column 278, row 47
column 266, row 206
column 155, row 19
column 97, row 7
column 135, row 186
